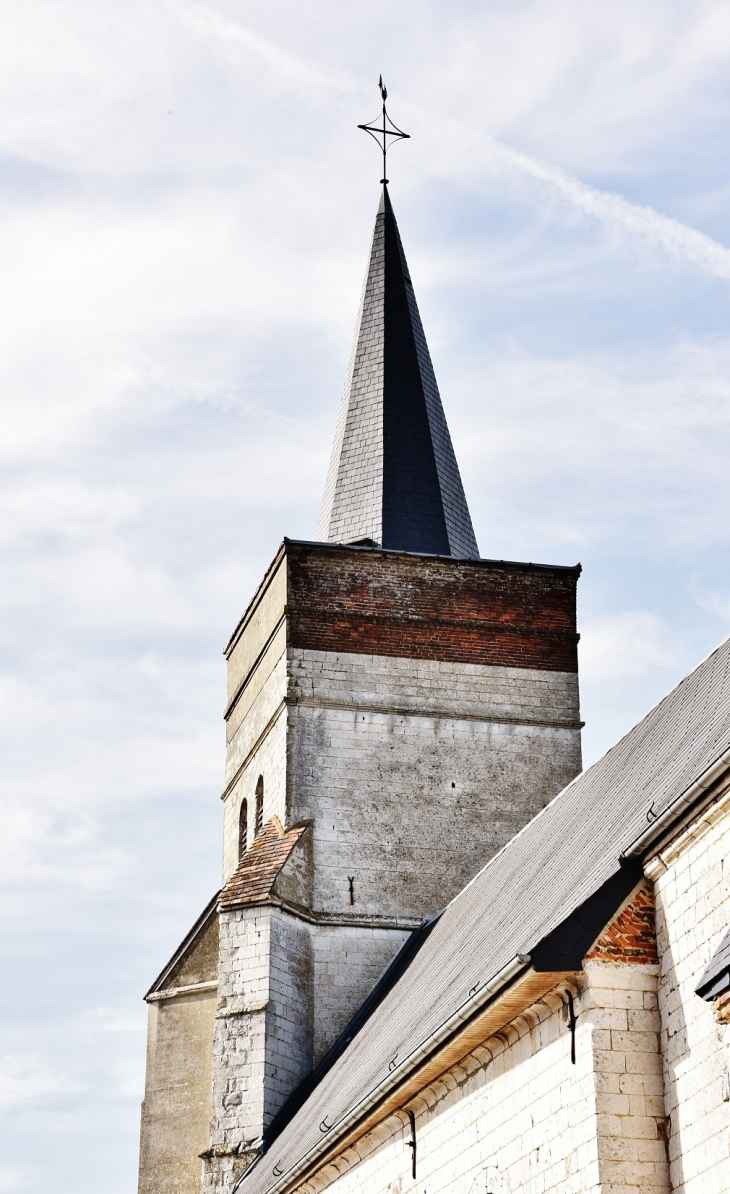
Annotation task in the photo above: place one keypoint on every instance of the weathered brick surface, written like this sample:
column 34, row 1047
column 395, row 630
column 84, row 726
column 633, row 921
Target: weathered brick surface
column 631, row 936
column 389, row 603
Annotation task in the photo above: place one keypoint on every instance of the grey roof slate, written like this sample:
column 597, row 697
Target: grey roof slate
column 560, row 859
column 716, row 979
column 393, row 476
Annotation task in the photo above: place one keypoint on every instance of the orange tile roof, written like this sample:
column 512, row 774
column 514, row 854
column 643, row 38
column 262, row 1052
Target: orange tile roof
column 259, row 867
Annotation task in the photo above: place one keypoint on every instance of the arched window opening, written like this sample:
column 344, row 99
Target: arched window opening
column 243, row 829
column 259, row 823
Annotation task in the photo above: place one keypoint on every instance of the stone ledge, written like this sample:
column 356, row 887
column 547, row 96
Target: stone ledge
column 174, row 992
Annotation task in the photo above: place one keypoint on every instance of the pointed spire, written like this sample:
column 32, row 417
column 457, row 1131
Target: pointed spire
column 393, row 476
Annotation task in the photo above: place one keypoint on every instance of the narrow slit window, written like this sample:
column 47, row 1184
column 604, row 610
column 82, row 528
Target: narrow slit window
column 243, row 829
column 259, row 823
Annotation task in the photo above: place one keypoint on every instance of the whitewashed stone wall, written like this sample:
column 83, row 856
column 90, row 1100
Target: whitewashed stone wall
column 258, row 747
column 416, row 772
column 412, row 774
column 348, row 962
column 517, row 1116
column 430, row 685
column 262, row 1043
column 620, row 1012
column 364, row 738
column 692, row 885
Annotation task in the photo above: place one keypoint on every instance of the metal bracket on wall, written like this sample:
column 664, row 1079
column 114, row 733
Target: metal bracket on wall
column 571, row 1026
column 412, row 1143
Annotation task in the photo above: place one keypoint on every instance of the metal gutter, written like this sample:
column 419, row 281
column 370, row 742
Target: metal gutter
column 697, row 788
column 396, row 1076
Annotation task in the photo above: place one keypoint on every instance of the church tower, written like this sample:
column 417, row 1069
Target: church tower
column 398, row 708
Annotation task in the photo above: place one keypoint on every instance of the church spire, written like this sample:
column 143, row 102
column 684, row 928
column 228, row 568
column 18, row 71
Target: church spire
column 393, row 477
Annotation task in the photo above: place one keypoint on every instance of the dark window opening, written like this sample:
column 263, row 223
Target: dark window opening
column 259, row 823
column 243, row 829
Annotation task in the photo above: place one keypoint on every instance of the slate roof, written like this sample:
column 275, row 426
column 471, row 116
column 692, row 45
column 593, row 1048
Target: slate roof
column 547, row 872
column 716, row 979
column 393, row 477
column 257, row 871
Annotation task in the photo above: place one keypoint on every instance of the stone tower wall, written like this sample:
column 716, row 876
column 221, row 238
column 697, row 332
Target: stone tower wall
column 415, row 712
column 413, row 772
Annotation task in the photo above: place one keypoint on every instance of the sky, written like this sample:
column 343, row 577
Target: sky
column 185, row 213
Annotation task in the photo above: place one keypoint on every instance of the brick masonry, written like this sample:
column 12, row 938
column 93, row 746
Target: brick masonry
column 631, row 935
column 465, row 611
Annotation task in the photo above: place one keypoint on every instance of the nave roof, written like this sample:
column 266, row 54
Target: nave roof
column 566, row 857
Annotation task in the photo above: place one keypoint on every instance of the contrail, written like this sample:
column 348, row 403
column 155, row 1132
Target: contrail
column 291, row 68
column 643, row 223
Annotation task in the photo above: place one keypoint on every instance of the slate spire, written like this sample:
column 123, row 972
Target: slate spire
column 393, row 476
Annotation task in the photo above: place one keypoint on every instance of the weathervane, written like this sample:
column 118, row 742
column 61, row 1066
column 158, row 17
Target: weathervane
column 378, row 131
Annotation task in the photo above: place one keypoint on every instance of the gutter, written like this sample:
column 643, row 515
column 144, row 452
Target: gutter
column 697, row 788
column 396, row 1076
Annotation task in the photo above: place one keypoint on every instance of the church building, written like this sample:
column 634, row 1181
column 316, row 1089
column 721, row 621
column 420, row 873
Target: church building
column 443, row 958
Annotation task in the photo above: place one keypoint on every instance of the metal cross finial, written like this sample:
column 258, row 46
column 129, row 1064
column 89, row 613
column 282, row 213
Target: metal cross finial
column 378, row 131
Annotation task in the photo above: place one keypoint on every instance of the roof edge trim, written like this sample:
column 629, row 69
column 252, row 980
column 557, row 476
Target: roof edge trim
column 463, row 1013
column 662, row 821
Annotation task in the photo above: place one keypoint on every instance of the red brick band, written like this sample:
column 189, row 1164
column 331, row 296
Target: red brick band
column 421, row 607
column 631, row 936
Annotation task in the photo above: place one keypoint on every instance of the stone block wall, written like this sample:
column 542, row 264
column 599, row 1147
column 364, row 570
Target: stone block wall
column 692, row 884
column 399, row 696
column 415, row 772
column 517, row 1115
column 269, row 762
column 416, row 712
column 348, row 961
column 175, row 1121
column 619, row 1006
column 177, row 1105
column 239, row 1038
column 286, row 990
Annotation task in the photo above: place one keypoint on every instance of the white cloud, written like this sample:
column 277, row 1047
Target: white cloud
column 711, row 593
column 626, row 646
column 619, row 450
column 11, row 1180
column 290, row 70
column 28, row 1079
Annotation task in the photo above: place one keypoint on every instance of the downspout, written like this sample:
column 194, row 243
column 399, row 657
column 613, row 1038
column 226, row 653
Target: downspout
column 683, row 801
column 397, row 1074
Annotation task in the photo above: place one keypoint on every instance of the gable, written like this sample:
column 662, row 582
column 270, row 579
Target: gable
column 195, row 960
